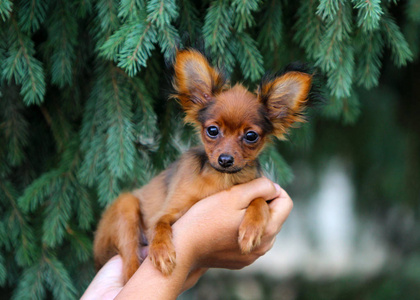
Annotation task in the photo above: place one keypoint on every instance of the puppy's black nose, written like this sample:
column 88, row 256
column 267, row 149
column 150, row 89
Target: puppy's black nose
column 225, row 160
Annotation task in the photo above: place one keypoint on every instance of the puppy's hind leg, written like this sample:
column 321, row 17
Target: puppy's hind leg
column 119, row 233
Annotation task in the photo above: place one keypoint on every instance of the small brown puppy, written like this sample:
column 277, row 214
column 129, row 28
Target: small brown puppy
column 234, row 125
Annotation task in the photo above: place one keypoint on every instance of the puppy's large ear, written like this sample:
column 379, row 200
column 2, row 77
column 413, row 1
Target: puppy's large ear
column 285, row 97
column 195, row 82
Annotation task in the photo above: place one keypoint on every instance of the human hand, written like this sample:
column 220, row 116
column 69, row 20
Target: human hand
column 206, row 236
column 108, row 282
column 208, row 232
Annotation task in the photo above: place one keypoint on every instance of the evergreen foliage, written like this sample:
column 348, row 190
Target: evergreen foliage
column 84, row 111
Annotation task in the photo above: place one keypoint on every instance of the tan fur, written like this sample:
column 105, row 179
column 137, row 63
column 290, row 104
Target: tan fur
column 207, row 101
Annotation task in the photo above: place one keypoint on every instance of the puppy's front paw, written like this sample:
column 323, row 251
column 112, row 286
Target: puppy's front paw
column 250, row 234
column 163, row 256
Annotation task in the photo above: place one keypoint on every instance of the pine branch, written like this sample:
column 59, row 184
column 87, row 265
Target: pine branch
column 57, row 214
column 59, row 189
column 84, row 7
column 137, row 48
column 49, row 270
column 108, row 187
column 30, row 284
column 130, row 8
column 369, row 53
column 120, row 139
column 249, row 57
column 340, row 78
column 93, row 131
column 169, row 40
column 328, row 9
column 83, row 208
column 369, row 13
column 36, row 194
column 5, row 9
column 144, row 117
column 20, row 234
column 80, row 244
column 58, row 280
column 31, row 14
column 107, row 128
column 161, row 13
column 243, row 13
column 23, row 67
column 63, row 34
column 216, row 29
column 337, row 54
column 337, row 31
column 401, row 53
column 271, row 25
column 107, row 17
column 189, row 21
column 14, row 128
column 309, row 30
column 112, row 46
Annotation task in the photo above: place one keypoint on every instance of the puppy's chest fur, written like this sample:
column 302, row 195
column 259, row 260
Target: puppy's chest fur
column 188, row 180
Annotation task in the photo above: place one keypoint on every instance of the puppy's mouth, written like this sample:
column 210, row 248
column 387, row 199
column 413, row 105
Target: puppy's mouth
column 230, row 170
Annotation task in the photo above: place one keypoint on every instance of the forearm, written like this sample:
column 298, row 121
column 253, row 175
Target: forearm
column 149, row 283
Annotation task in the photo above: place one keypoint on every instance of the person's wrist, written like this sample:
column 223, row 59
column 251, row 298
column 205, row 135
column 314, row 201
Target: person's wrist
column 186, row 254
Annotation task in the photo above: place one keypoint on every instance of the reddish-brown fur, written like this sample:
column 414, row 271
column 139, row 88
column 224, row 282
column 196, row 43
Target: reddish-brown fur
column 207, row 101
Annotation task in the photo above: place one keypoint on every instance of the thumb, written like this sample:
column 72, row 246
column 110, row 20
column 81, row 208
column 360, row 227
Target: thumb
column 258, row 188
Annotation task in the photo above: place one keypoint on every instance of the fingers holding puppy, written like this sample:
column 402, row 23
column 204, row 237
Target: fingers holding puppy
column 280, row 208
column 258, row 188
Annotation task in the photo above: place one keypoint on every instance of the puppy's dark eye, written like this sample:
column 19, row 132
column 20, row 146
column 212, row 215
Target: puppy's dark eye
column 251, row 136
column 212, row 131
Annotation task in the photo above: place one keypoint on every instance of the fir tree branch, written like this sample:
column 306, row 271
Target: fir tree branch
column 31, row 14
column 5, row 9
column 30, row 284
column 58, row 279
column 137, row 48
column 369, row 53
column 328, row 9
column 84, row 7
column 20, row 233
column 114, row 43
column 401, row 53
column 63, row 31
column 249, row 57
column 243, row 13
column 107, row 16
column 81, row 244
column 25, row 69
column 189, row 21
column 271, row 26
column 120, row 146
column 161, row 13
column 216, row 29
column 130, row 8
column 309, row 29
column 14, row 128
column 368, row 14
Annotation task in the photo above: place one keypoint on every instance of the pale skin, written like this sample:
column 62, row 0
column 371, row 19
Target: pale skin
column 205, row 237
